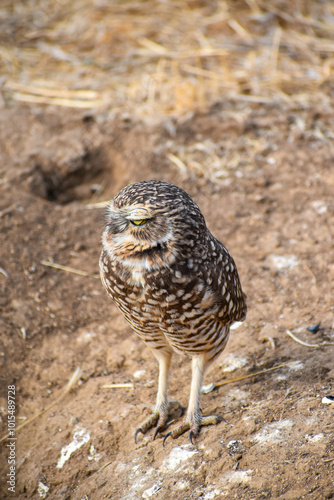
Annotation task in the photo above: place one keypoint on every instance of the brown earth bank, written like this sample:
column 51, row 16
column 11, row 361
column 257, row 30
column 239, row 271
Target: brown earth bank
column 263, row 176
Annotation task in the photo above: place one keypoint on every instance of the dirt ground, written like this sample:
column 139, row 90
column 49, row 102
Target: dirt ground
column 272, row 204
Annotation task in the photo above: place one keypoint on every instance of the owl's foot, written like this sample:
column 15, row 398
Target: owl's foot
column 160, row 418
column 193, row 424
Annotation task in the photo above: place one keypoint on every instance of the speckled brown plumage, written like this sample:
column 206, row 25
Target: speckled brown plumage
column 175, row 283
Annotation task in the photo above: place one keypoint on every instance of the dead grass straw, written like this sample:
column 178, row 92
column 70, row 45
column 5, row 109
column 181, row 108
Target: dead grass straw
column 98, row 204
column 68, row 269
column 73, row 380
column 118, row 386
column 213, row 386
column 56, row 101
column 306, row 344
column 161, row 58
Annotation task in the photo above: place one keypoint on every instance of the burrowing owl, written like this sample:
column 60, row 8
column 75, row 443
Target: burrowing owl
column 174, row 282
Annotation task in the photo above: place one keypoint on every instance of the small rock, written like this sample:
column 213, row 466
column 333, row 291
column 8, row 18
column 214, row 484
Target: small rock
column 328, row 400
column 151, row 491
column 42, row 489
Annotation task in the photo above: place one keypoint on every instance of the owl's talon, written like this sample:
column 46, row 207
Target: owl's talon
column 151, row 421
column 161, row 417
column 193, row 425
column 137, row 432
column 192, row 434
column 158, row 429
column 167, row 435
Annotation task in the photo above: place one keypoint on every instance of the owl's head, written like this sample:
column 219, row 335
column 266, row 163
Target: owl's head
column 151, row 221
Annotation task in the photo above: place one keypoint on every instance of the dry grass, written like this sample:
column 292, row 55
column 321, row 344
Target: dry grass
column 153, row 58
column 68, row 269
column 73, row 380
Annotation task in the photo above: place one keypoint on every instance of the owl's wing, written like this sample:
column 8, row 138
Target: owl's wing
column 231, row 300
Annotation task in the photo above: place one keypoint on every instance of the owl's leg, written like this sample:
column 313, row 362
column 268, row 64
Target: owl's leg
column 164, row 410
column 194, row 419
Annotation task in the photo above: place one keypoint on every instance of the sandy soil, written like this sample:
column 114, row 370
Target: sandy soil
column 263, row 176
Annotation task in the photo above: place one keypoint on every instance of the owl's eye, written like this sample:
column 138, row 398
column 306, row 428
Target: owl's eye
column 139, row 222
